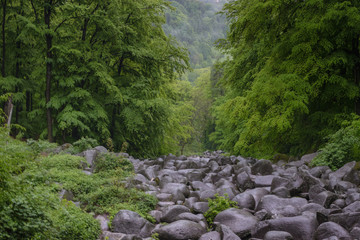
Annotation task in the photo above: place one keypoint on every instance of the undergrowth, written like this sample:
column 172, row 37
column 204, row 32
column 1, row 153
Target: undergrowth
column 30, row 182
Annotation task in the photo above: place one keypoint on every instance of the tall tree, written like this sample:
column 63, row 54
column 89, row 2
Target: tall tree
column 293, row 75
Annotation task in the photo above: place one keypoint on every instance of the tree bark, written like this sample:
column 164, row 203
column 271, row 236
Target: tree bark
column 48, row 37
column 356, row 51
column 3, row 38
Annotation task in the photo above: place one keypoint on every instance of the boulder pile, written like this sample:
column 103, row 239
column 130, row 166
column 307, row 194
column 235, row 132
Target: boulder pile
column 283, row 200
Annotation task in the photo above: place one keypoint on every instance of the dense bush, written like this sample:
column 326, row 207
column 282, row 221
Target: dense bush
column 70, row 222
column 109, row 161
column 341, row 147
column 30, row 183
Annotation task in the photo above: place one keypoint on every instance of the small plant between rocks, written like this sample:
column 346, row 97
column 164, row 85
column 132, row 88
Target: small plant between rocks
column 217, row 205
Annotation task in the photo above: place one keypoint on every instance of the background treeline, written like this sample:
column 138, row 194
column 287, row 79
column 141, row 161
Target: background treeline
column 101, row 69
column 292, row 78
column 196, row 25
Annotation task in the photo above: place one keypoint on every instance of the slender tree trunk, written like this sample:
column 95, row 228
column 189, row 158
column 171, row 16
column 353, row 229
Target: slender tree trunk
column 84, row 29
column 356, row 52
column 48, row 37
column 3, row 38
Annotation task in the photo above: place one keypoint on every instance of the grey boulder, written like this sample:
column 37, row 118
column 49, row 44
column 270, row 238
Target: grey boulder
column 180, row 230
column 129, row 222
column 239, row 221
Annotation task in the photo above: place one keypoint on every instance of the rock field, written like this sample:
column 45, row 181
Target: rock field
column 275, row 200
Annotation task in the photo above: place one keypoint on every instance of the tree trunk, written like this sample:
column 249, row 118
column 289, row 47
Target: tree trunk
column 356, row 70
column 3, row 38
column 48, row 37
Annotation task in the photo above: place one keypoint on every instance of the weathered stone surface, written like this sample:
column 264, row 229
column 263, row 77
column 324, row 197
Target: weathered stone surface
column 278, row 235
column 129, row 222
column 300, row 227
column 325, row 198
column 200, row 207
column 245, row 200
column 262, row 167
column 282, row 206
column 346, row 220
column 188, row 216
column 210, row 236
column 226, row 233
column 171, row 212
column 331, row 229
column 239, row 221
column 263, row 181
column 103, row 220
column 180, row 230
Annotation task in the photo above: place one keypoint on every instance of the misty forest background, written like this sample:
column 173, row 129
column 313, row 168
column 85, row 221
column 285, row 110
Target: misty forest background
column 262, row 79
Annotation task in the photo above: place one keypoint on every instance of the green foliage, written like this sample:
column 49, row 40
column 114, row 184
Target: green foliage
column 109, row 161
column 30, row 185
column 61, row 162
column 84, row 143
column 110, row 71
column 217, row 205
column 341, row 147
column 197, row 26
column 71, row 222
column 39, row 146
column 290, row 78
column 23, row 215
column 111, row 199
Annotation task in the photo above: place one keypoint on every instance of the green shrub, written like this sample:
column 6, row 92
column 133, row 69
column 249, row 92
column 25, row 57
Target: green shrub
column 70, row 222
column 109, row 161
column 341, row 147
column 61, row 162
column 23, row 215
column 111, row 199
column 217, row 205
column 84, row 143
column 39, row 146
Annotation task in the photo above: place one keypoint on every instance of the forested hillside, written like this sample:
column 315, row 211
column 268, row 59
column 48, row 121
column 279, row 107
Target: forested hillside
column 101, row 69
column 291, row 79
column 197, row 26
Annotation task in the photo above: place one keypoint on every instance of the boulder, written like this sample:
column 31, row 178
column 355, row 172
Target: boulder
column 263, row 181
column 239, row 221
column 171, row 212
column 325, row 198
column 346, row 220
column 331, row 229
column 300, row 227
column 244, row 181
column 129, row 222
column 278, row 235
column 226, row 233
column 262, row 167
column 282, row 206
column 103, row 220
column 200, row 207
column 210, row 236
column 188, row 216
column 180, row 230
column 245, row 200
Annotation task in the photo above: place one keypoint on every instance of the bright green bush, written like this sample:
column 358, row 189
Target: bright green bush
column 111, row 199
column 83, row 144
column 217, row 205
column 70, row 222
column 23, row 215
column 61, row 162
column 341, row 147
column 109, row 161
column 39, row 146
